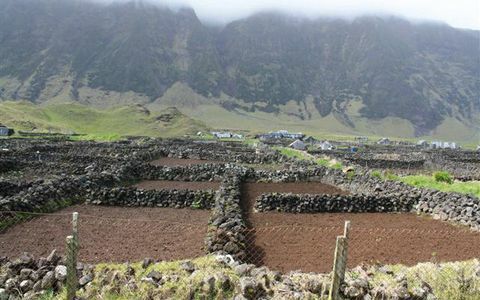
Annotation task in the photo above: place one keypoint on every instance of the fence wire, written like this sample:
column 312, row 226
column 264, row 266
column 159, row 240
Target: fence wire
column 280, row 247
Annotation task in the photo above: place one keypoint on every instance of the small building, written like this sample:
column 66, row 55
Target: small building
column 478, row 148
column 384, row 141
column 226, row 135
column 325, row 145
column 298, row 145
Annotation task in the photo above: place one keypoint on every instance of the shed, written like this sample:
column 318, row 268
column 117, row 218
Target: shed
column 5, row 131
column 298, row 144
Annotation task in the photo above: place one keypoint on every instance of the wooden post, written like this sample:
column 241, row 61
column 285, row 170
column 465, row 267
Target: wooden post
column 339, row 263
column 75, row 225
column 71, row 283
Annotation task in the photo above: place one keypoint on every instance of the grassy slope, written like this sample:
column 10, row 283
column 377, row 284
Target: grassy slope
column 126, row 120
column 213, row 114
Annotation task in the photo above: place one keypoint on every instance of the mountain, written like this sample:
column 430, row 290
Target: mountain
column 362, row 75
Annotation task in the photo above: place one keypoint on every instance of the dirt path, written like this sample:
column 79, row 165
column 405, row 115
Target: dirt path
column 286, row 242
column 113, row 234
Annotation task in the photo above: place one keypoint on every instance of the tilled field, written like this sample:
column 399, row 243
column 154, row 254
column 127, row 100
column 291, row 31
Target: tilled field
column 288, row 242
column 113, row 234
column 178, row 185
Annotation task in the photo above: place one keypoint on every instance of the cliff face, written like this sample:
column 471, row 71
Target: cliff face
column 134, row 52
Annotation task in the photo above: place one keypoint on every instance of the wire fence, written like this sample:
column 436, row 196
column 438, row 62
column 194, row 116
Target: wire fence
column 283, row 248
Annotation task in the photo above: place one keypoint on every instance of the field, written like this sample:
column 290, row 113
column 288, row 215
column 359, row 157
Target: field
column 113, row 234
column 172, row 201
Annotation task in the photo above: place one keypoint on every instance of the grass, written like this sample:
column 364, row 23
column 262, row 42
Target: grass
column 302, row 155
column 183, row 287
column 452, row 280
column 468, row 187
column 97, row 124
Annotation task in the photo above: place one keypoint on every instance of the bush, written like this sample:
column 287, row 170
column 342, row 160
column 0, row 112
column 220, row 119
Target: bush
column 376, row 174
column 443, row 176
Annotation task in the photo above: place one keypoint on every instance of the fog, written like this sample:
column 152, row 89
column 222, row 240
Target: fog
column 458, row 13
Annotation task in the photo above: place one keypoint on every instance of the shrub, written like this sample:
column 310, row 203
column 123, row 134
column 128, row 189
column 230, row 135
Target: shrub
column 443, row 176
column 376, row 174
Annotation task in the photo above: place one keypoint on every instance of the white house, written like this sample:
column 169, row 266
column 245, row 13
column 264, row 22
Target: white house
column 326, row 145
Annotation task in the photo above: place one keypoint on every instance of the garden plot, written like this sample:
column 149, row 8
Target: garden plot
column 113, row 234
column 287, row 241
column 177, row 185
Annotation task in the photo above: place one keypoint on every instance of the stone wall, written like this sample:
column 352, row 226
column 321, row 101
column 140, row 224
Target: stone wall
column 306, row 203
column 226, row 231
column 128, row 196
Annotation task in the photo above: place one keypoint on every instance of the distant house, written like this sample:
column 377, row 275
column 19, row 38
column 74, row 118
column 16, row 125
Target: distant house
column 478, row 148
column 443, row 145
column 226, row 135
column 281, row 134
column 423, row 144
column 384, row 141
column 298, row 144
column 326, row 145
column 5, row 131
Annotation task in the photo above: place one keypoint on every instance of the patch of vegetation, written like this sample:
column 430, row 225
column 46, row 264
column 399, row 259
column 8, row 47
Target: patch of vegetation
column 468, row 187
column 376, row 174
column 302, row 155
column 184, row 286
column 452, row 280
column 443, row 176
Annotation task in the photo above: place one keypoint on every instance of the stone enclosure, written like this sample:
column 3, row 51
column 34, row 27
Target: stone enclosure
column 237, row 207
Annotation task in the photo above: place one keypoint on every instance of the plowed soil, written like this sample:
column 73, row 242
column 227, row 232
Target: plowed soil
column 113, row 234
column 177, row 185
column 286, row 242
column 173, row 162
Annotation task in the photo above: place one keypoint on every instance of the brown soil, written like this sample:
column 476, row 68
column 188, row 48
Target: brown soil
column 288, row 242
column 178, row 185
column 113, row 234
column 173, row 162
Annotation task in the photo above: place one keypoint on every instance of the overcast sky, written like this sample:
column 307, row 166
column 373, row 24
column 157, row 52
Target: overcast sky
column 457, row 13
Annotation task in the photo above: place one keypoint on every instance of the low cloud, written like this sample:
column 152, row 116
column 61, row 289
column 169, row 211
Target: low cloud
column 458, row 13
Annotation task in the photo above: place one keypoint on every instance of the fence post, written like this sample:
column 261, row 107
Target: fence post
column 339, row 263
column 71, row 284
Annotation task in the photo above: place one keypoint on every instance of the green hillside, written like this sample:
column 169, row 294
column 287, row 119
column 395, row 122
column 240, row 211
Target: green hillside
column 73, row 117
